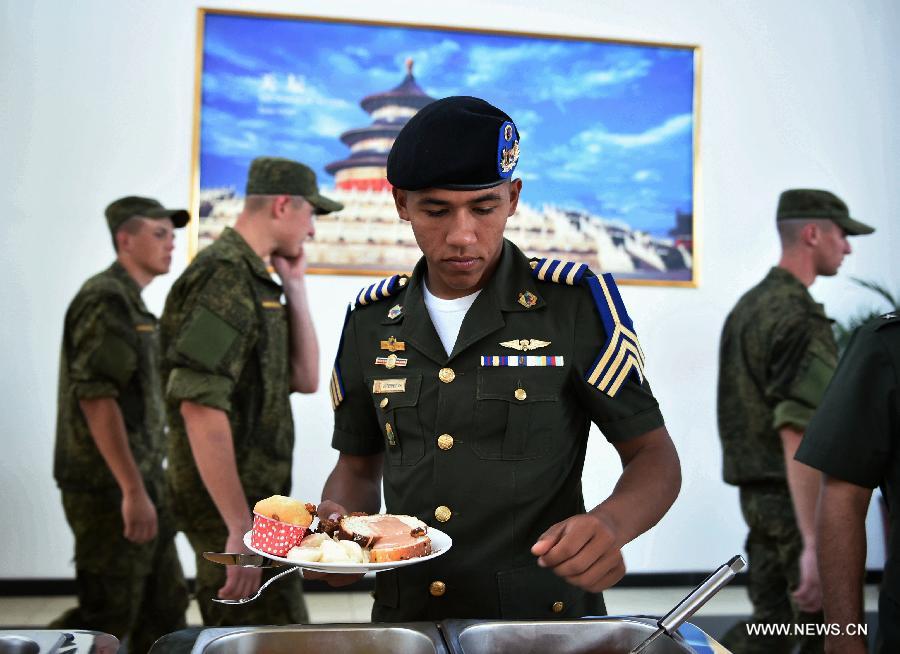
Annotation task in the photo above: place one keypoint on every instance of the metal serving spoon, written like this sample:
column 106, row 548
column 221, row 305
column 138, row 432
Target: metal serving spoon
column 669, row 623
column 244, row 600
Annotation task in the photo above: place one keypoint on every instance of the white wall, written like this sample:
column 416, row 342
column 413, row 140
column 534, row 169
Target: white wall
column 97, row 101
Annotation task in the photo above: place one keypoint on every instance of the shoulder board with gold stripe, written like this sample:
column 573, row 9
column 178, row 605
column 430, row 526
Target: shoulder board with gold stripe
column 621, row 355
column 380, row 290
column 336, row 385
column 557, row 271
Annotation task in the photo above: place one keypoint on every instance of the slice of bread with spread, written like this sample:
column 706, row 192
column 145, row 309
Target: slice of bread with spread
column 388, row 537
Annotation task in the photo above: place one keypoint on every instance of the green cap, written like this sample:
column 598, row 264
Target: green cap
column 798, row 203
column 128, row 207
column 277, row 176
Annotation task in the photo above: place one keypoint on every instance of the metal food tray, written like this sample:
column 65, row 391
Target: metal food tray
column 605, row 635
column 409, row 638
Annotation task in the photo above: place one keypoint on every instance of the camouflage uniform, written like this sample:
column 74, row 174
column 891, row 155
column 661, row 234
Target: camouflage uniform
column 855, row 437
column 225, row 345
column 776, row 357
column 478, row 443
column 111, row 349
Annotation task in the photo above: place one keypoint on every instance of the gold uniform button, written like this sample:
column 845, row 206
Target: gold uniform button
column 446, row 375
column 402, row 282
column 445, row 441
column 557, row 607
column 442, row 513
column 384, row 402
column 520, row 394
column 533, row 264
column 437, row 588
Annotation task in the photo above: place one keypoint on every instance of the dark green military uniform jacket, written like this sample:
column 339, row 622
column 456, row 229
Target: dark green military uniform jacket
column 491, row 454
column 776, row 357
column 855, row 436
column 110, row 348
column 225, row 345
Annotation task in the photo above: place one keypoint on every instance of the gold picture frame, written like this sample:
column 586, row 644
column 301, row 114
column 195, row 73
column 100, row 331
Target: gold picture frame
column 610, row 134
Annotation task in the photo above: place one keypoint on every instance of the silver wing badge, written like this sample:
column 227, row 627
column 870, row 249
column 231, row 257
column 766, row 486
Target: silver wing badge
column 525, row 344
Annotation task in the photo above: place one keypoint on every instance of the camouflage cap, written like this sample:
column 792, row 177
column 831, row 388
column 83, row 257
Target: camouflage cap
column 800, row 203
column 457, row 143
column 277, row 176
column 133, row 205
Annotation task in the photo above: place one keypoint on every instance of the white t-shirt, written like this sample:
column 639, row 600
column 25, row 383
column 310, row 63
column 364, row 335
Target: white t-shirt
column 447, row 315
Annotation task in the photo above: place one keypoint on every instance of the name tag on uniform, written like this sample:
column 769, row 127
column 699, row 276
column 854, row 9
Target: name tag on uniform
column 389, row 385
column 272, row 304
column 145, row 327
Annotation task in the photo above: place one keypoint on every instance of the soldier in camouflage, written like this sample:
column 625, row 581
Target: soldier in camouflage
column 232, row 354
column 110, row 439
column 776, row 357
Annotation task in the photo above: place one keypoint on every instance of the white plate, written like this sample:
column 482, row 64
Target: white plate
column 440, row 543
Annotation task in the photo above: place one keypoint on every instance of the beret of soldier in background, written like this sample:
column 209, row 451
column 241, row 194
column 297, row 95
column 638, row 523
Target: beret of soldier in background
column 277, row 176
column 800, row 203
column 133, row 205
column 456, row 143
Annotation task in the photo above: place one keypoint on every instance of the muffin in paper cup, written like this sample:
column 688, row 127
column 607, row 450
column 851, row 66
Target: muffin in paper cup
column 273, row 536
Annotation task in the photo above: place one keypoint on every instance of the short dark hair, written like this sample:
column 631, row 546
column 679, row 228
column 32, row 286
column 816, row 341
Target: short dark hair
column 255, row 203
column 789, row 229
column 130, row 226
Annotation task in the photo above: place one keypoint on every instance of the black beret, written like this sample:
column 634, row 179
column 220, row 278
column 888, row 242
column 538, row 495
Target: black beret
column 457, row 143
column 800, row 203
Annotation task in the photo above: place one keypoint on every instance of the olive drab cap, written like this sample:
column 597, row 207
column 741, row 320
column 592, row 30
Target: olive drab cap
column 133, row 205
column 457, row 143
column 798, row 203
column 277, row 176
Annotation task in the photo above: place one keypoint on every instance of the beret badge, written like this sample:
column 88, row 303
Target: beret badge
column 507, row 150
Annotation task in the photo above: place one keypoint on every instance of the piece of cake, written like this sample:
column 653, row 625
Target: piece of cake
column 279, row 523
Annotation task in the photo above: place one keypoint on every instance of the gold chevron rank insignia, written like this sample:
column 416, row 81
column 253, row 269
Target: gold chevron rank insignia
column 336, row 383
column 621, row 355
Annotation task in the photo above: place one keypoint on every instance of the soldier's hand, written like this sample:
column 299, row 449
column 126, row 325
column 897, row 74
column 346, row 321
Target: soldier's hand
column 583, row 551
column 330, row 510
column 139, row 517
column 239, row 582
column 289, row 269
column 808, row 595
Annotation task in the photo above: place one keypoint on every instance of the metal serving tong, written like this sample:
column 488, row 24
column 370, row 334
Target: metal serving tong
column 243, row 560
column 669, row 623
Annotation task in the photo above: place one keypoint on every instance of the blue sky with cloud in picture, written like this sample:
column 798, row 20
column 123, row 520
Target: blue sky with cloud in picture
column 605, row 127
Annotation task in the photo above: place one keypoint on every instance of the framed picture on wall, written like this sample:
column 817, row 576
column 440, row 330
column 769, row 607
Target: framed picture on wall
column 608, row 134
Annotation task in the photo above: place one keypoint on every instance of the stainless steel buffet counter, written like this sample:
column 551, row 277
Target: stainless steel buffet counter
column 609, row 635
